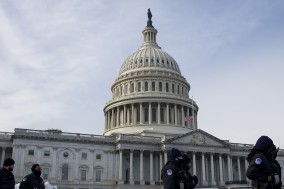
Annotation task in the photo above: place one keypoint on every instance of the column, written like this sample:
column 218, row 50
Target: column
column 168, row 116
column 175, row 114
column 182, row 116
column 152, row 182
column 120, row 181
column 161, row 164
column 150, row 113
column 165, row 157
column 128, row 115
column 132, row 114
column 239, row 168
column 246, row 166
column 141, row 114
column 193, row 118
column 112, row 118
column 54, row 165
column 106, row 121
column 221, row 170
column 3, row 155
column 39, row 154
column 22, row 157
column 159, row 113
column 117, row 116
column 142, row 182
column 107, row 114
column 124, row 115
column 193, row 163
column 91, row 175
column 212, row 170
column 203, row 170
column 76, row 165
column 229, row 168
column 131, row 168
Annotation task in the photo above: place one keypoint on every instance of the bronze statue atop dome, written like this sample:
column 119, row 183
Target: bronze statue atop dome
column 149, row 22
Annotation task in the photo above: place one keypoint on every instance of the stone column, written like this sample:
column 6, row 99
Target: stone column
column 150, row 113
column 39, row 154
column 246, row 166
column 204, row 182
column 117, row 116
column 159, row 113
column 76, row 165
column 141, row 114
column 152, row 182
column 161, row 164
column 128, row 115
column 124, row 115
column 91, row 175
column 182, row 116
column 168, row 114
column 112, row 118
column 3, row 155
column 213, row 183
column 229, row 168
column 239, row 169
column 54, row 165
column 175, row 114
column 187, row 113
column 193, row 118
column 221, row 169
column 142, row 181
column 132, row 114
column 194, row 163
column 120, row 181
column 131, row 168
column 106, row 121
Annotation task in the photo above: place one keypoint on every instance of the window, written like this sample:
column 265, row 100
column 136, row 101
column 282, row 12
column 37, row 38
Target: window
column 139, row 87
column 154, row 114
column 45, row 172
column 173, row 88
column 83, row 175
column 98, row 156
column 138, row 115
column 167, row 87
column 84, row 155
column 182, row 91
column 178, row 89
column 65, row 154
column 98, row 175
column 131, row 87
column 146, row 86
column 46, row 153
column 160, row 86
column 64, row 172
column 31, row 152
column 146, row 116
column 153, row 86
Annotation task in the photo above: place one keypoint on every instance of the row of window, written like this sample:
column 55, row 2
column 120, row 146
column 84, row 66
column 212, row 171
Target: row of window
column 65, row 170
column 132, row 63
column 150, row 86
column 47, row 153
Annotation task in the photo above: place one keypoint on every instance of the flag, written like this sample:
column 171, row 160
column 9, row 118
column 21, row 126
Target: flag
column 188, row 117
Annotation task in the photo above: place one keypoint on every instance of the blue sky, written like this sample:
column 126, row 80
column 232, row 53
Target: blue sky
column 58, row 60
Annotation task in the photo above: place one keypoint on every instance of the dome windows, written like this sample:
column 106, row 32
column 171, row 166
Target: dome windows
column 153, row 86
column 146, row 86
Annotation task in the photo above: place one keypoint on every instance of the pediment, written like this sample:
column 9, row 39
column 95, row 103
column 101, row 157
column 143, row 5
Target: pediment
column 197, row 137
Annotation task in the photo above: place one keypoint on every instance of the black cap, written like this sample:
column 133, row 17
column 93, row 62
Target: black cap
column 264, row 143
column 8, row 162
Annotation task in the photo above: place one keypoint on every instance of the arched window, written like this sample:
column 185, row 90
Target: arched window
column 160, row 86
column 153, row 86
column 131, row 87
column 167, row 87
column 139, row 87
column 146, row 86
column 173, row 88
column 178, row 89
column 64, row 172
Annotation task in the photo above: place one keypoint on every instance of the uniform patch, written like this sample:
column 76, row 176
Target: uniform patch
column 257, row 161
column 169, row 172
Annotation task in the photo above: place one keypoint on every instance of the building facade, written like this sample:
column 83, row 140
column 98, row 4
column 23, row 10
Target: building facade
column 150, row 112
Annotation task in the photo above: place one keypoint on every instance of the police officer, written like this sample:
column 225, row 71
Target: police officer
column 190, row 181
column 7, row 180
column 276, row 166
column 33, row 180
column 171, row 173
column 260, row 169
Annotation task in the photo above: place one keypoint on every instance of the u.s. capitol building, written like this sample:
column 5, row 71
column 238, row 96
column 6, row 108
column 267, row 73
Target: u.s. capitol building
column 149, row 113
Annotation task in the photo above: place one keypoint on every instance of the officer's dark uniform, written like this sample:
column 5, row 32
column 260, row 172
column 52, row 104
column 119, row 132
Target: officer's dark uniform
column 260, row 164
column 277, row 168
column 33, row 180
column 171, row 174
column 7, row 180
column 190, row 181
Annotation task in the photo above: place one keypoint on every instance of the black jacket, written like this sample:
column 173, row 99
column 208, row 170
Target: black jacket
column 7, row 180
column 172, row 176
column 277, row 169
column 259, row 169
column 32, row 181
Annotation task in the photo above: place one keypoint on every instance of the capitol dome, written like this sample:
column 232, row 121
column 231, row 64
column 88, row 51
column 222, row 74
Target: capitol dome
column 150, row 95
